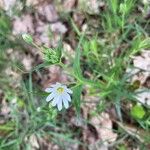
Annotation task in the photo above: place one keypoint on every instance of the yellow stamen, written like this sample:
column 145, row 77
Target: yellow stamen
column 60, row 90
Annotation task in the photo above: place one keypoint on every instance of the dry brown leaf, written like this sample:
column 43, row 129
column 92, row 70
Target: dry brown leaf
column 7, row 4
column 137, row 75
column 84, row 27
column 34, row 141
column 44, row 144
column 93, row 6
column 103, row 125
column 48, row 12
column 68, row 49
column 142, row 68
column 78, row 18
column 68, row 5
column 33, row 2
column 70, row 146
column 90, row 103
column 97, row 146
column 58, row 27
column 4, row 108
column 143, row 61
column 131, row 130
column 69, row 53
column 14, row 77
column 90, row 6
column 42, row 30
column 54, row 75
column 10, row 5
column 77, row 122
column 143, row 96
column 2, row 4
column 27, row 62
column 24, row 24
column 141, row 73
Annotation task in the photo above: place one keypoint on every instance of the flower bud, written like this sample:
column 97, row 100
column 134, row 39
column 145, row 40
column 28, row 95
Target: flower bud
column 50, row 55
column 27, row 38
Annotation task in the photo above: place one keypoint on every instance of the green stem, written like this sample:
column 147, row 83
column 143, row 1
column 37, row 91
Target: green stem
column 34, row 44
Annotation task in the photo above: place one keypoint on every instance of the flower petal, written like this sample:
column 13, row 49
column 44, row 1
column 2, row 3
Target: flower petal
column 57, row 84
column 65, row 102
column 48, row 90
column 59, row 103
column 53, row 85
column 69, row 91
column 67, row 97
column 50, row 97
column 55, row 101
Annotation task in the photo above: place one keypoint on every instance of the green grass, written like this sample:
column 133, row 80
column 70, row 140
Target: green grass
column 105, row 55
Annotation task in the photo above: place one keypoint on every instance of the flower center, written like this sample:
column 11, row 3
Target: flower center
column 60, row 90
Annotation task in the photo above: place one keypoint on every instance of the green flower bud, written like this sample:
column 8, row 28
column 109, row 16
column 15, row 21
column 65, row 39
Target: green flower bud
column 51, row 56
column 27, row 38
column 138, row 111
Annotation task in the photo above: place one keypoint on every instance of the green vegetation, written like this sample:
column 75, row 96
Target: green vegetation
column 105, row 54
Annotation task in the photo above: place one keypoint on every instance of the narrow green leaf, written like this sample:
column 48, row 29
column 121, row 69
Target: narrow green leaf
column 113, row 4
column 76, row 64
column 59, row 48
column 31, row 92
column 45, row 64
column 77, row 90
column 75, row 28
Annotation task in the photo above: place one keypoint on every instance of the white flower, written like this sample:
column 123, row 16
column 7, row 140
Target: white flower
column 38, row 109
column 59, row 94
